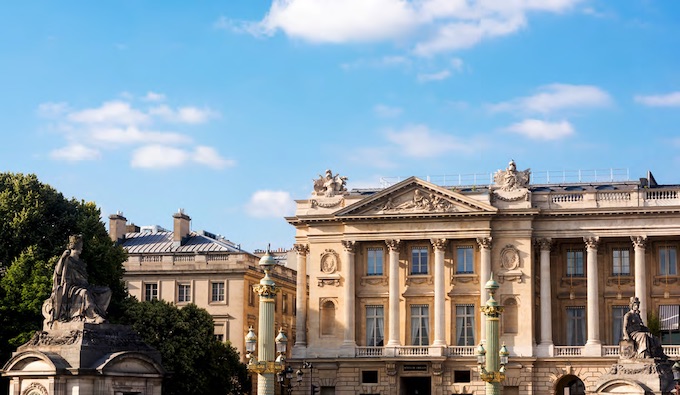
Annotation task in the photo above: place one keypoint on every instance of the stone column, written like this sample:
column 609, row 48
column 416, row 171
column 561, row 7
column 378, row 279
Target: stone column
column 484, row 273
column 439, row 246
column 546, row 344
column 639, row 242
column 393, row 246
column 349, row 294
column 300, row 346
column 593, row 310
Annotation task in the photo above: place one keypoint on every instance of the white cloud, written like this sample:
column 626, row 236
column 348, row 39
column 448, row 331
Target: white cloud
column 75, row 153
column 418, row 141
column 191, row 115
column 153, row 96
column 270, row 204
column 556, row 97
column 439, row 76
column 542, row 130
column 384, row 62
column 665, row 100
column 158, row 156
column 52, row 110
column 112, row 113
column 118, row 124
column 385, row 111
column 132, row 135
column 208, row 156
column 457, row 64
column 430, row 26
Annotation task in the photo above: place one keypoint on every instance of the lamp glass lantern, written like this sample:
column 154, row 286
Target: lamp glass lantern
column 481, row 355
column 503, row 353
column 676, row 371
column 281, row 342
column 251, row 341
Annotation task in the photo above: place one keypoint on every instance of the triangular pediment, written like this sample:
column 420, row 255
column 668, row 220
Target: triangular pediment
column 414, row 196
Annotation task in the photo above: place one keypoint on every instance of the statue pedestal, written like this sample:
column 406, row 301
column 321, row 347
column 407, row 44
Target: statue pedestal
column 81, row 358
column 642, row 376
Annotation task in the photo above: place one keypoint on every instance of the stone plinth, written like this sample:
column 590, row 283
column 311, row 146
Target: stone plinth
column 81, row 358
column 637, row 377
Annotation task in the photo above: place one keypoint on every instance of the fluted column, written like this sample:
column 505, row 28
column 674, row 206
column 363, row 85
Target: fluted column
column 349, row 294
column 546, row 299
column 640, row 242
column 393, row 246
column 439, row 246
column 484, row 273
column 593, row 310
column 301, row 251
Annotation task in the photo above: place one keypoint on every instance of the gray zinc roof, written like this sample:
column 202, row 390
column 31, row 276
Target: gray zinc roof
column 161, row 242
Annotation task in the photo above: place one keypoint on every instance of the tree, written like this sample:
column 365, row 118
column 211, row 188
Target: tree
column 35, row 222
column 198, row 363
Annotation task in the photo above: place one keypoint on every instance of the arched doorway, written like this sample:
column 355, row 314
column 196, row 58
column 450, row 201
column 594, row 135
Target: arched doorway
column 570, row 385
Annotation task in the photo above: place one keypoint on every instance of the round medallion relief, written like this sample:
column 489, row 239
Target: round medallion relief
column 510, row 257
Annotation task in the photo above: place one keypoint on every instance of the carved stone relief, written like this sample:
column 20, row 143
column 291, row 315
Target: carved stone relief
column 510, row 184
column 510, row 259
column 35, row 389
column 418, row 201
column 329, row 261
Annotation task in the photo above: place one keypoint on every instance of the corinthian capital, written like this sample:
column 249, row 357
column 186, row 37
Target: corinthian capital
column 591, row 242
column 544, row 243
column 639, row 241
column 349, row 246
column 439, row 244
column 301, row 249
column 484, row 242
column 393, row 245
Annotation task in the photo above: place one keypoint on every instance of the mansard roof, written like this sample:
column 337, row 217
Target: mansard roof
column 161, row 242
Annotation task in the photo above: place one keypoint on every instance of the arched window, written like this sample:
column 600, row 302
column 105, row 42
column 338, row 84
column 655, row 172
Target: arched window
column 328, row 318
column 510, row 316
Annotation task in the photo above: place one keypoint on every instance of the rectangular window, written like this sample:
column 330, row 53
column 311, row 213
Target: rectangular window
column 465, row 325
column 462, row 376
column 576, row 326
column 369, row 377
column 621, row 262
column 375, row 326
column 575, row 263
column 183, row 293
column 617, row 322
column 464, row 263
column 374, row 266
column 284, row 303
column 251, row 295
column 669, row 324
column 419, row 260
column 217, row 294
column 420, row 324
column 668, row 261
column 150, row 291
column 294, row 306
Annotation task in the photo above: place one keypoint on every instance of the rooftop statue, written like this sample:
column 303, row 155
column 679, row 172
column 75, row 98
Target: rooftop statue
column 73, row 298
column 510, row 179
column 646, row 345
column 330, row 185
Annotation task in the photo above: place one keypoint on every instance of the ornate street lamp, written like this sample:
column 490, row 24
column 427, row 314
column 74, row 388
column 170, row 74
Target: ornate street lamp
column 266, row 367
column 492, row 366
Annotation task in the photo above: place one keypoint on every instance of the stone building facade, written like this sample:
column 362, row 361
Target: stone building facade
column 183, row 266
column 396, row 279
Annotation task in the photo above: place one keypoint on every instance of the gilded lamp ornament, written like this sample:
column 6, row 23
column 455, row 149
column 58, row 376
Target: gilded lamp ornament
column 492, row 364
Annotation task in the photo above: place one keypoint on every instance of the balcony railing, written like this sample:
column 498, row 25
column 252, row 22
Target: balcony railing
column 672, row 351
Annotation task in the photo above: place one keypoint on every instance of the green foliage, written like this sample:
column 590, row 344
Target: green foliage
column 35, row 222
column 198, row 363
column 653, row 323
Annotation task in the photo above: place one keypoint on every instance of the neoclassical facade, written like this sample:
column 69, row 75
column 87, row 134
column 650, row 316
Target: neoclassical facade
column 396, row 279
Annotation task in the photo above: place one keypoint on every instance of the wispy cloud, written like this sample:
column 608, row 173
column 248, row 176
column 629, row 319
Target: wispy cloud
column 438, row 76
column 385, row 111
column 662, row 100
column 556, row 97
column 378, row 63
column 541, row 130
column 116, row 124
column 430, row 26
column 418, row 141
column 270, row 204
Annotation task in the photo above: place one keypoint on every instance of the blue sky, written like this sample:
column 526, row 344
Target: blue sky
column 229, row 109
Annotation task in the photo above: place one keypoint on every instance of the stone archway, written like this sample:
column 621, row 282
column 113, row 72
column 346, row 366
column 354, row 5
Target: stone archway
column 570, row 385
column 621, row 387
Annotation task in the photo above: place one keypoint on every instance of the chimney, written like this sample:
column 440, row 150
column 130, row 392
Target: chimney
column 117, row 227
column 132, row 228
column 180, row 229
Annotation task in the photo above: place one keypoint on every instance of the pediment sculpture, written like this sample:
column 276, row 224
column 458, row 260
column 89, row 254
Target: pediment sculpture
column 511, row 184
column 418, row 202
column 73, row 298
column 330, row 185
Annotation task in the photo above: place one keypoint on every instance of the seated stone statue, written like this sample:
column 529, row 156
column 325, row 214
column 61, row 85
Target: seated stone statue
column 73, row 298
column 646, row 345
